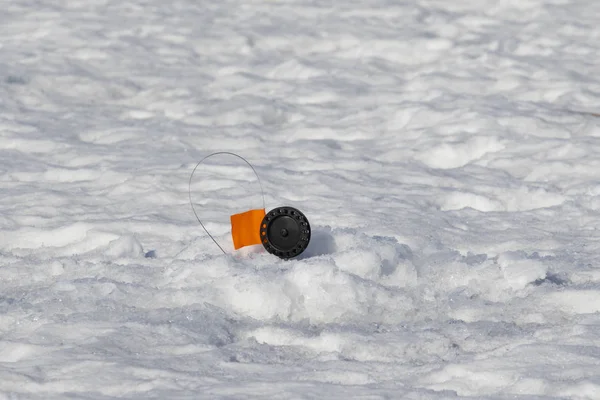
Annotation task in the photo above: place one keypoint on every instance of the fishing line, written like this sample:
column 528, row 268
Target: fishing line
column 190, row 189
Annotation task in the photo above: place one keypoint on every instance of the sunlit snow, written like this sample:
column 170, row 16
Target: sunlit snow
column 446, row 154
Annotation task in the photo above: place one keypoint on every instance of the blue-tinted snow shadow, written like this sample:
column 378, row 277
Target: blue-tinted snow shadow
column 321, row 243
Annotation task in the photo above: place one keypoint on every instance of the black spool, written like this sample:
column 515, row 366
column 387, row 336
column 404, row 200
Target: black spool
column 285, row 232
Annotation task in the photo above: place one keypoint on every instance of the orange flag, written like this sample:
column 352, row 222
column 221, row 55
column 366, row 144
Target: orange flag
column 245, row 228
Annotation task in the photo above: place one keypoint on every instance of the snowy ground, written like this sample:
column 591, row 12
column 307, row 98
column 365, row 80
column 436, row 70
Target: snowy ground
column 444, row 152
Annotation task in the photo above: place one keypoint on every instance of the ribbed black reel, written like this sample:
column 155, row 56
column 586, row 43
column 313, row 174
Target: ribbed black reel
column 285, row 232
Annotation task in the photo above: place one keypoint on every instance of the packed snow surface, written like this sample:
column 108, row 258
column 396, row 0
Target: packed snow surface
column 444, row 152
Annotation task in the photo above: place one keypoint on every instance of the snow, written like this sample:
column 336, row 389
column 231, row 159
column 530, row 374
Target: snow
column 445, row 154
